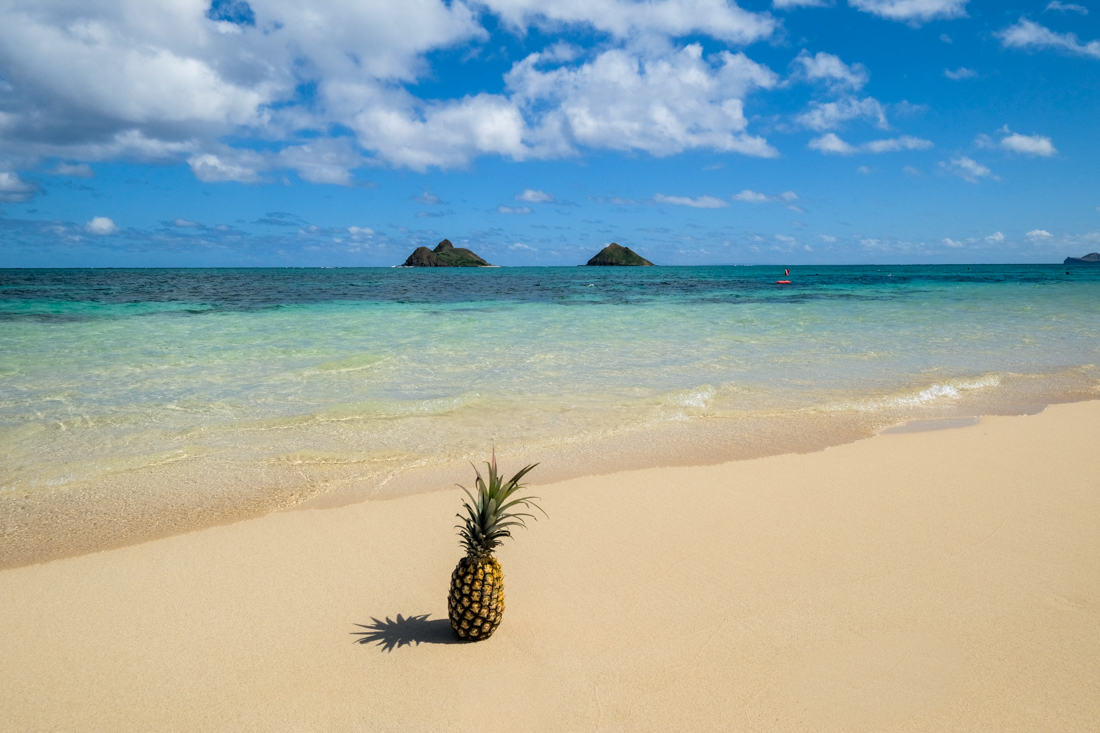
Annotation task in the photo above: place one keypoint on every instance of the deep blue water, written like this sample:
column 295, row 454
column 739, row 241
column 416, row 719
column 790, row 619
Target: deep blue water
column 256, row 288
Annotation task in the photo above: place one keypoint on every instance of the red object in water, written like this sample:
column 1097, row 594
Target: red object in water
column 786, row 272
column 782, row 282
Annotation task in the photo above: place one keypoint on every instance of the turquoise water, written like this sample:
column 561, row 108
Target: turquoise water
column 287, row 385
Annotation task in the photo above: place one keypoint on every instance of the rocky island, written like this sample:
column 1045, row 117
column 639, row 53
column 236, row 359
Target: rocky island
column 617, row 255
column 445, row 254
column 1092, row 258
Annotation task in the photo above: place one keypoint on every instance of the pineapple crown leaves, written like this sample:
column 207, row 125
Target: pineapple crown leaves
column 492, row 512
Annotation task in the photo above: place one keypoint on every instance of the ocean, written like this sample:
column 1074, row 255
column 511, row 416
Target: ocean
column 140, row 403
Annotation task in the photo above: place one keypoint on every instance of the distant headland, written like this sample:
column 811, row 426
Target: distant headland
column 619, row 256
column 445, row 254
column 1093, row 258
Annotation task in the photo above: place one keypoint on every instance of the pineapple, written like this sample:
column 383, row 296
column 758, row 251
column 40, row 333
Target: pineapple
column 476, row 602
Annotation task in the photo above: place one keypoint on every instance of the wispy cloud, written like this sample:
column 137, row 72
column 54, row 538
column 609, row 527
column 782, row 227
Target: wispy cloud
column 960, row 73
column 787, row 4
column 830, row 115
column 787, row 199
column 532, row 196
column 967, row 169
column 905, row 142
column 613, row 200
column 832, row 144
column 1067, row 8
column 1029, row 35
column 830, row 69
column 74, row 170
column 699, row 202
column 912, row 11
column 514, row 210
column 755, row 197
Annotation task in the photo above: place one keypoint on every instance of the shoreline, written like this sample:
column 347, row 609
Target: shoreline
column 141, row 505
column 935, row 580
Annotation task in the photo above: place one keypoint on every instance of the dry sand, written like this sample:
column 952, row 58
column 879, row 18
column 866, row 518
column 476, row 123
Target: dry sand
column 934, row 581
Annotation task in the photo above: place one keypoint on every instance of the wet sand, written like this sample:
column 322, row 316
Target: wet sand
column 929, row 580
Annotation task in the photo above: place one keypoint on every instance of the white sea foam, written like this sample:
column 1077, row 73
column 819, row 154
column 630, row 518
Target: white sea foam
column 950, row 390
column 699, row 397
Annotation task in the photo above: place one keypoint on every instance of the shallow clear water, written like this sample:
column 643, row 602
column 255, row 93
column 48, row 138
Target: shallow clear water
column 284, row 384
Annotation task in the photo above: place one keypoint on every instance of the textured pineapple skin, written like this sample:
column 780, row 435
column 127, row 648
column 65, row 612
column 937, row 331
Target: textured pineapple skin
column 476, row 602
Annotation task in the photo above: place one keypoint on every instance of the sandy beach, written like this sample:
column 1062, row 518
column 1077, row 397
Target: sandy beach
column 936, row 581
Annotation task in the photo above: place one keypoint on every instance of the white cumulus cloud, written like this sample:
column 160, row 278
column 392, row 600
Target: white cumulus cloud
column 995, row 237
column 699, row 202
column 1029, row 144
column 1029, row 35
column 101, row 225
column 14, row 190
column 912, row 11
column 172, row 81
column 661, row 101
column 952, row 243
column 841, row 82
column 1036, row 235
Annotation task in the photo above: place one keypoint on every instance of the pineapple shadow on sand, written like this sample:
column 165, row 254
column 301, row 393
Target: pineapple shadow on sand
column 406, row 631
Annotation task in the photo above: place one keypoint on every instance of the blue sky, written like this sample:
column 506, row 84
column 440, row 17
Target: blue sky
column 344, row 132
